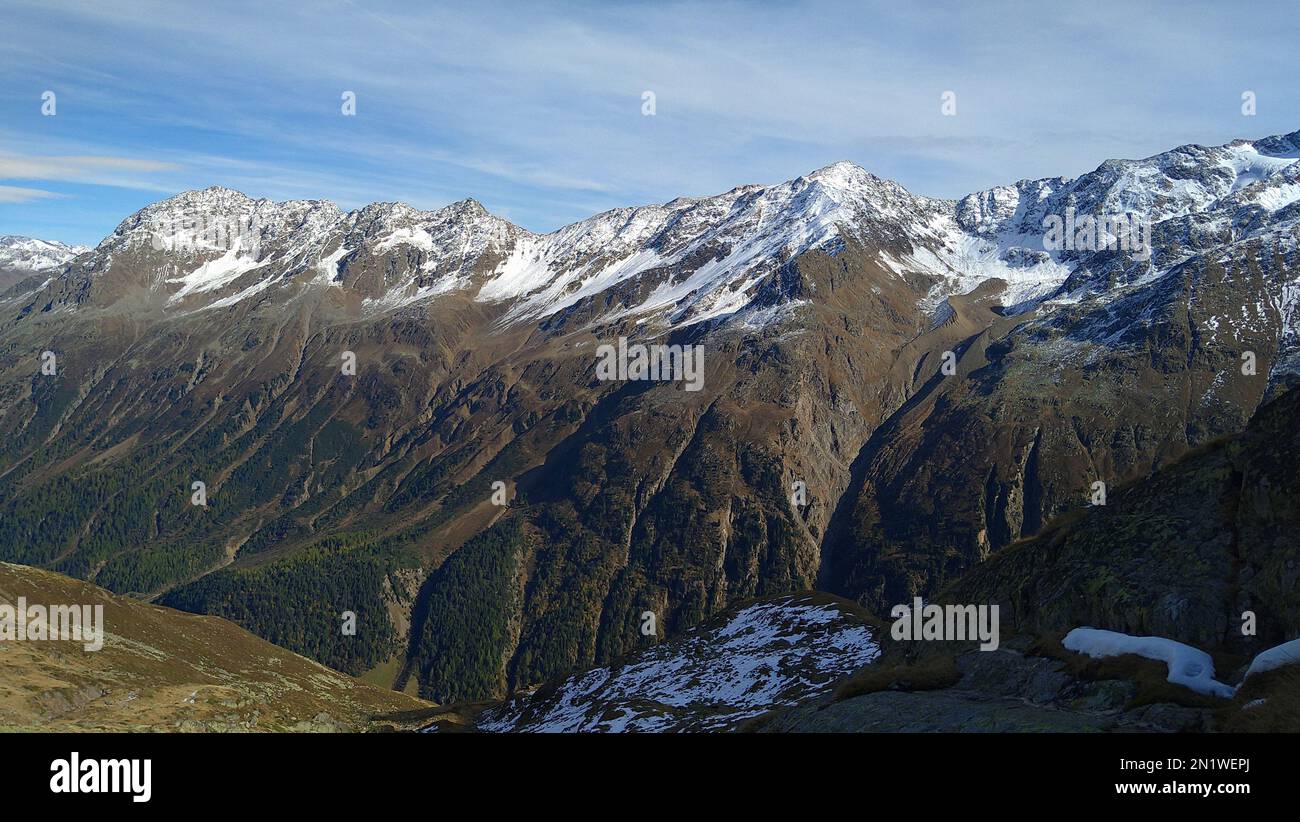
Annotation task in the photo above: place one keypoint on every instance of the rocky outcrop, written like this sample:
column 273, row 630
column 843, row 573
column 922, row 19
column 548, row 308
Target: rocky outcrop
column 1183, row 553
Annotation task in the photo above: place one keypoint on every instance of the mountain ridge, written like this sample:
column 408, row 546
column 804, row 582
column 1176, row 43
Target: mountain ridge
column 940, row 391
column 992, row 233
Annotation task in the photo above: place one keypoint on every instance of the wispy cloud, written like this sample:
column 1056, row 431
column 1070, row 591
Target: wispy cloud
column 81, row 169
column 16, row 194
column 535, row 108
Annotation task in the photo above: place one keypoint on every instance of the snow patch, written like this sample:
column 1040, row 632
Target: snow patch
column 1188, row 666
column 214, row 274
column 1288, row 653
column 766, row 655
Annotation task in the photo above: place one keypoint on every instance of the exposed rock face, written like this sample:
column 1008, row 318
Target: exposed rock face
column 207, row 340
column 1003, row 691
column 1180, row 554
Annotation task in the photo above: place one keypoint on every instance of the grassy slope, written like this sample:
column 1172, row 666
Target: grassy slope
column 162, row 669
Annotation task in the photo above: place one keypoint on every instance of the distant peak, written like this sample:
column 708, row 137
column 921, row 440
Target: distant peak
column 1284, row 144
column 466, row 209
column 840, row 167
column 849, row 180
column 9, row 240
column 217, row 192
column 854, row 180
column 384, row 208
column 842, row 173
column 470, row 205
column 223, row 197
column 213, row 195
column 19, row 253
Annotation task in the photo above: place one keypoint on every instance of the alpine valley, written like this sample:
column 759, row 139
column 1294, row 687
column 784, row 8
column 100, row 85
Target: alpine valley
column 900, row 397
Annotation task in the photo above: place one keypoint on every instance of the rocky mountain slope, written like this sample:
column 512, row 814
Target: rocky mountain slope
column 741, row 664
column 1182, row 554
column 208, row 340
column 163, row 670
column 1179, row 555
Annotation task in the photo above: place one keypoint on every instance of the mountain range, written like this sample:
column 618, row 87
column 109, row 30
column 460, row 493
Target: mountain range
column 897, row 389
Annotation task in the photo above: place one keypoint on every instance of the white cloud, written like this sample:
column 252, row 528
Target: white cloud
column 534, row 108
column 79, row 169
column 15, row 194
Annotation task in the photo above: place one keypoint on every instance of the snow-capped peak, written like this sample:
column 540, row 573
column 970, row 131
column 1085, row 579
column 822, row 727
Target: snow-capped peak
column 853, row 179
column 700, row 258
column 26, row 254
column 845, row 175
column 704, row 257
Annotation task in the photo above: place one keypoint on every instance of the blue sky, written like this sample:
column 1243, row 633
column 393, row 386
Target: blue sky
column 535, row 109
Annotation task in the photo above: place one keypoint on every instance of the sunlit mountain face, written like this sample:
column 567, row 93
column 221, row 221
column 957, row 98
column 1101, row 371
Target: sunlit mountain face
column 281, row 412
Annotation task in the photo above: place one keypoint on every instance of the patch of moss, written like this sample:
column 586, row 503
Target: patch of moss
column 932, row 674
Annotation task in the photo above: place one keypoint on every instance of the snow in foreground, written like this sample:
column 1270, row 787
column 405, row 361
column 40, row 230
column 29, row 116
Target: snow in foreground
column 1188, row 666
column 766, row 655
column 1285, row 654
